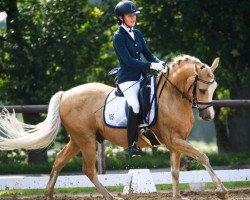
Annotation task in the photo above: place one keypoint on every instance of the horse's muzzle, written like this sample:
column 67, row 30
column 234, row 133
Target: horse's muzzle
column 206, row 115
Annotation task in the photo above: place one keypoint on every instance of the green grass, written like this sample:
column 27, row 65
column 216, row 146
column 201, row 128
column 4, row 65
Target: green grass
column 58, row 191
column 229, row 185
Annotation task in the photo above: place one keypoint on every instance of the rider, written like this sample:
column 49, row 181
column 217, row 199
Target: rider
column 129, row 44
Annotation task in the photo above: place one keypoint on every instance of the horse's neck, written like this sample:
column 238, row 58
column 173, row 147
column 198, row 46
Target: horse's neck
column 170, row 97
column 179, row 75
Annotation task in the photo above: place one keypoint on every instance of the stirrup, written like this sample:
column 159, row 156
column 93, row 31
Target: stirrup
column 149, row 136
column 134, row 151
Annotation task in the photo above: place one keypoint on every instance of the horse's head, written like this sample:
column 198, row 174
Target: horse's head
column 196, row 79
column 205, row 87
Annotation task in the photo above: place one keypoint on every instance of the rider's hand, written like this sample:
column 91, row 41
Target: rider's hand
column 162, row 62
column 156, row 66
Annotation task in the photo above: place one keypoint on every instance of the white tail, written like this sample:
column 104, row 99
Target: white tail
column 17, row 135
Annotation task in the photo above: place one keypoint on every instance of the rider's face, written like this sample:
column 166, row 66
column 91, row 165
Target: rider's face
column 130, row 20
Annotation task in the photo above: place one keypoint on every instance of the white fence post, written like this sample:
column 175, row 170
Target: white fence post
column 141, row 182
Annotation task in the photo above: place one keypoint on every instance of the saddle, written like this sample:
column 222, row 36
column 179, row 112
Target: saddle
column 116, row 109
column 144, row 100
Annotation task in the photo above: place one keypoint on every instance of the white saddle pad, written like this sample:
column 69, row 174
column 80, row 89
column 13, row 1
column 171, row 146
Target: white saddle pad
column 115, row 109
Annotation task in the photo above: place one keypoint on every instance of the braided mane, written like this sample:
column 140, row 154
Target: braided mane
column 177, row 60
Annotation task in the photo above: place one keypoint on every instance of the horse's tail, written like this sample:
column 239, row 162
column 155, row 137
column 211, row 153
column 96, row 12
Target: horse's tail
column 17, row 135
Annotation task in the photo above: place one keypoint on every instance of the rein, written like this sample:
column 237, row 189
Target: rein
column 194, row 101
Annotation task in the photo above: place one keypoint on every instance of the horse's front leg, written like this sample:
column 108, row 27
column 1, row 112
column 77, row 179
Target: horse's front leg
column 183, row 146
column 175, row 171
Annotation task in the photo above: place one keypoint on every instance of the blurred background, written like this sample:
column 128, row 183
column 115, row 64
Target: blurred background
column 52, row 45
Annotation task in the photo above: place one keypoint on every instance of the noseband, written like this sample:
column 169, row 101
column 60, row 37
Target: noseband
column 194, row 101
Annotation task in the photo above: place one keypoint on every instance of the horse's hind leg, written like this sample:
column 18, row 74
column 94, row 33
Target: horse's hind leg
column 88, row 150
column 186, row 148
column 70, row 150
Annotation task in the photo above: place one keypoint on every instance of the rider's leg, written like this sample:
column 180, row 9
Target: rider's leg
column 132, row 132
column 130, row 90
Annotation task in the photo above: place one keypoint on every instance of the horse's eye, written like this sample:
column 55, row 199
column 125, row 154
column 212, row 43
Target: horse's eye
column 202, row 91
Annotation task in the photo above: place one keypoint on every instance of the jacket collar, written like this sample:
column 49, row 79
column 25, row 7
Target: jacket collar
column 127, row 28
column 124, row 32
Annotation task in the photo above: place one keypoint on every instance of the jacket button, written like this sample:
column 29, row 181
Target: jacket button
column 137, row 52
column 136, row 45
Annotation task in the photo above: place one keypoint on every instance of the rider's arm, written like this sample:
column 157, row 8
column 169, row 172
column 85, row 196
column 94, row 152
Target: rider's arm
column 124, row 55
column 145, row 50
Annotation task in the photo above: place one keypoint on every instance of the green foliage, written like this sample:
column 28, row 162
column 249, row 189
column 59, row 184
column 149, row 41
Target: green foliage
column 15, row 156
column 221, row 159
column 230, row 159
column 204, row 29
column 223, row 94
column 51, row 46
column 123, row 162
column 188, row 164
column 146, row 161
column 26, row 168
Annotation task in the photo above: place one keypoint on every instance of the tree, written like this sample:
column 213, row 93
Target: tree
column 50, row 46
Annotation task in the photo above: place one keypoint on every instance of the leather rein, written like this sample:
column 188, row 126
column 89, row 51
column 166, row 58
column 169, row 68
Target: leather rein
column 194, row 101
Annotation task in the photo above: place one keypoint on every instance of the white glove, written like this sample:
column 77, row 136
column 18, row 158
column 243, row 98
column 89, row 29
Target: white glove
column 156, row 66
column 162, row 62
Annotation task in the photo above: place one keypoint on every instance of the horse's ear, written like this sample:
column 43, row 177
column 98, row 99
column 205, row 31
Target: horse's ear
column 215, row 64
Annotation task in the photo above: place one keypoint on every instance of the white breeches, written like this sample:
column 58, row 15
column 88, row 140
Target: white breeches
column 130, row 90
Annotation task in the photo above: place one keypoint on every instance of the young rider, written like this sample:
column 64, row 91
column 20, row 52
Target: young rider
column 129, row 44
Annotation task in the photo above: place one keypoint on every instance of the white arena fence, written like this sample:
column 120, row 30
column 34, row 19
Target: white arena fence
column 75, row 181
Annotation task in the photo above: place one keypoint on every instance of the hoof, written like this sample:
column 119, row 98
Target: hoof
column 221, row 193
column 49, row 197
column 113, row 198
column 179, row 198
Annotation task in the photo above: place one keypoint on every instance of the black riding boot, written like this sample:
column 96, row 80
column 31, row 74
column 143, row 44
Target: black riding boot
column 132, row 129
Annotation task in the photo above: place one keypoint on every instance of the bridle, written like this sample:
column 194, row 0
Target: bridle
column 194, row 101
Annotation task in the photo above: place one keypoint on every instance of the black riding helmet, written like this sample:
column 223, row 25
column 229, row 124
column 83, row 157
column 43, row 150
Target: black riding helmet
column 126, row 7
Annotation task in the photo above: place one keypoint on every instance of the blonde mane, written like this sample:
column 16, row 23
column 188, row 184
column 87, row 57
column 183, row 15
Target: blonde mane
column 176, row 61
column 181, row 58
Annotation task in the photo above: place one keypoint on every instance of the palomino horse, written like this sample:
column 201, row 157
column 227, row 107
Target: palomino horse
column 76, row 108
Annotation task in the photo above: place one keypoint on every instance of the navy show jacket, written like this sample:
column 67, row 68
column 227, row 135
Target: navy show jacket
column 128, row 51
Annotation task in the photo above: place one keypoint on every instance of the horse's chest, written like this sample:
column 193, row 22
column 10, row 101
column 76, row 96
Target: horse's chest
column 186, row 127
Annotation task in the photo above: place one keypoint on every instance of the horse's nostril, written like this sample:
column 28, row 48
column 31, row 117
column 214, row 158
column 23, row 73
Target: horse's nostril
column 207, row 118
